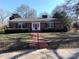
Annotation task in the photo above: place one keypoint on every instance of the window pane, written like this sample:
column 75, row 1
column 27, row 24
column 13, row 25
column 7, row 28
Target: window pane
column 52, row 25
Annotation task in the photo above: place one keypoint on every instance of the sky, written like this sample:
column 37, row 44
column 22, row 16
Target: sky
column 38, row 5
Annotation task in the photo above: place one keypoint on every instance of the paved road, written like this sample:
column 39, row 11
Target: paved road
column 43, row 54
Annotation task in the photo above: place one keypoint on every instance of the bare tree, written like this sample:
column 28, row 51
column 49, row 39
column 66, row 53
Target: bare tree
column 76, row 10
column 71, row 2
column 4, row 15
column 32, row 13
column 73, row 8
column 26, row 12
column 23, row 10
column 58, row 9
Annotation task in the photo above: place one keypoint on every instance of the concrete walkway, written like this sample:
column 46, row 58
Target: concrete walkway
column 43, row 54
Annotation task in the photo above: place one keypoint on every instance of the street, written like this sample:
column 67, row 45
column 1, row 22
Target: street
column 43, row 54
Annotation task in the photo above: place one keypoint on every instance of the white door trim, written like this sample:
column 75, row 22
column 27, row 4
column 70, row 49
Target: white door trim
column 38, row 26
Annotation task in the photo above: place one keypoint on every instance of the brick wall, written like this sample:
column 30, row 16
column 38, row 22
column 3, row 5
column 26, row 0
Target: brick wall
column 12, row 25
column 43, row 25
column 58, row 24
column 29, row 26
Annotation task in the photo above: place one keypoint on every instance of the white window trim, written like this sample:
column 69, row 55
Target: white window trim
column 20, row 24
column 50, row 25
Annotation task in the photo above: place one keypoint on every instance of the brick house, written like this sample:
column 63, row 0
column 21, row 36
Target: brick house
column 36, row 24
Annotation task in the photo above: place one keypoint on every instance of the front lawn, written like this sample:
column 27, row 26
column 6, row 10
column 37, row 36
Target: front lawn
column 28, row 36
column 59, row 35
column 22, row 36
column 19, row 41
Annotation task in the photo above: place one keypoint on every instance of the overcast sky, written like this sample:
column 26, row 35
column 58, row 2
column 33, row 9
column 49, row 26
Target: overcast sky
column 38, row 5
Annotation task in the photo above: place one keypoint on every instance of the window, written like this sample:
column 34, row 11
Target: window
column 51, row 25
column 19, row 25
column 24, row 25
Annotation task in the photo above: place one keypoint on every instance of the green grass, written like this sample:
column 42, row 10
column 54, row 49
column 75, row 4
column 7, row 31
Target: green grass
column 27, row 36
column 19, row 40
column 59, row 35
column 22, row 36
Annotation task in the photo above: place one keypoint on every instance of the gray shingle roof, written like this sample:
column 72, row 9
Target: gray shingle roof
column 31, row 19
